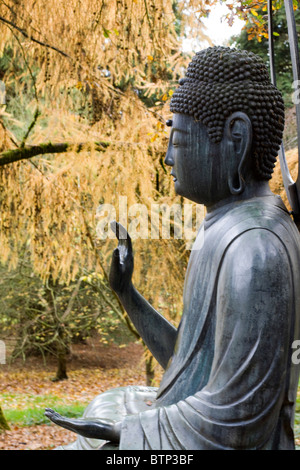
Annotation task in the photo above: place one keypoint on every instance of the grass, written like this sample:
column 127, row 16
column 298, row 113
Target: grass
column 29, row 410
column 34, row 416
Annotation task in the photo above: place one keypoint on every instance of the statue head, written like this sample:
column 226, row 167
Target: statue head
column 228, row 95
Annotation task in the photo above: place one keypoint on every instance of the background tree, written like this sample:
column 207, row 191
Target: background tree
column 55, row 316
column 91, row 79
column 248, row 41
column 255, row 15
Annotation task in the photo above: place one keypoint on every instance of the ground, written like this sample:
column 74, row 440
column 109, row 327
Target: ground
column 92, row 369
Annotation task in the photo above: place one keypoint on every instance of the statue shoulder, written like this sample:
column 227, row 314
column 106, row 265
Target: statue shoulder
column 255, row 283
column 259, row 253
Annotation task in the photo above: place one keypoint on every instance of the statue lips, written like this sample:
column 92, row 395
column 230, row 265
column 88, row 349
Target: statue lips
column 174, row 177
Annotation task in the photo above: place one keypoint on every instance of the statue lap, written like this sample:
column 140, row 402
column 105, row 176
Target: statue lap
column 114, row 404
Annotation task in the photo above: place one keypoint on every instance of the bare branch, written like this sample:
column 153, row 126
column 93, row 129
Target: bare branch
column 31, row 126
column 26, row 35
column 29, row 151
column 71, row 301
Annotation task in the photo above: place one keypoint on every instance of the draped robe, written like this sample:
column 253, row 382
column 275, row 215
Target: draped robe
column 230, row 383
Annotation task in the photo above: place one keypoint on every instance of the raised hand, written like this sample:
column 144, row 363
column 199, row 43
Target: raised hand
column 94, row 428
column 157, row 332
column 122, row 261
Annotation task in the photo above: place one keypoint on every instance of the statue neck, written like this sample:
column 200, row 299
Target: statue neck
column 252, row 190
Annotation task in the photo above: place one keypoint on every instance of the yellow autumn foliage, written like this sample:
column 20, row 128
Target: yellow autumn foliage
column 101, row 57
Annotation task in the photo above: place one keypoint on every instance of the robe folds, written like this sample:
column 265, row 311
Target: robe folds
column 231, row 382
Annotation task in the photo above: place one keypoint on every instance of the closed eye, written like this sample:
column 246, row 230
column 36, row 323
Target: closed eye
column 177, row 138
column 178, row 144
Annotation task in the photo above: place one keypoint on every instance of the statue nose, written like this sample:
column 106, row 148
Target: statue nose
column 169, row 158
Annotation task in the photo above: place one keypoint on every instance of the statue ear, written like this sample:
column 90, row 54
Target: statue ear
column 238, row 132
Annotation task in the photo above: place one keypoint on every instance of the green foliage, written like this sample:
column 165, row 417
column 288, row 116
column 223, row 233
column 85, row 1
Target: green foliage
column 21, row 100
column 178, row 16
column 46, row 317
column 283, row 65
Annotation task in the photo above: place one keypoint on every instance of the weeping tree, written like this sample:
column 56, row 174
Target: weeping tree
column 87, row 87
column 89, row 82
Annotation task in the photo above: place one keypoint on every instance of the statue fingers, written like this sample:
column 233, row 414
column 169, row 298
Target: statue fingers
column 53, row 415
column 118, row 258
column 122, row 236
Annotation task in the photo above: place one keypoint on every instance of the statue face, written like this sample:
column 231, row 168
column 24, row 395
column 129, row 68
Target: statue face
column 199, row 166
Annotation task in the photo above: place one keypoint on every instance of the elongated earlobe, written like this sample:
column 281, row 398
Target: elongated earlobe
column 236, row 187
column 238, row 131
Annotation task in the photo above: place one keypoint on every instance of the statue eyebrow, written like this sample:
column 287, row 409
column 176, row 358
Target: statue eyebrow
column 175, row 129
column 179, row 130
column 169, row 123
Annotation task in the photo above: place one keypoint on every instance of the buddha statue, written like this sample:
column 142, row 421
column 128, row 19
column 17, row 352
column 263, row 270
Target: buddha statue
column 229, row 379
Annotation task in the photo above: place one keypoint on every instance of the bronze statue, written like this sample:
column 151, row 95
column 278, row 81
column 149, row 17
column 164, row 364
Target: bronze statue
column 229, row 380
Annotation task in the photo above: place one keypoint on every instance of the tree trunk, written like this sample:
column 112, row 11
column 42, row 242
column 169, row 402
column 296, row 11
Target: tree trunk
column 61, row 373
column 149, row 371
column 60, row 345
column 3, row 423
column 62, row 353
